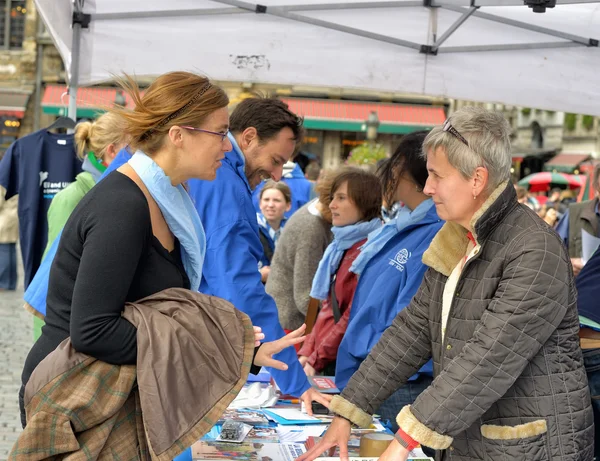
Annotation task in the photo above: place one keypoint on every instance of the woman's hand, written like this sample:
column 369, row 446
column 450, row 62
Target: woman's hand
column 264, row 355
column 338, row 434
column 394, row 452
column 264, row 273
column 303, row 359
column 258, row 336
column 309, row 370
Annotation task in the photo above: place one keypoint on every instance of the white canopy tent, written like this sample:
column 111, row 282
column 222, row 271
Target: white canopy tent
column 482, row 50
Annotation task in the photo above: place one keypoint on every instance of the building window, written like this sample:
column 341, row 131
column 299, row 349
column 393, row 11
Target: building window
column 12, row 24
column 350, row 140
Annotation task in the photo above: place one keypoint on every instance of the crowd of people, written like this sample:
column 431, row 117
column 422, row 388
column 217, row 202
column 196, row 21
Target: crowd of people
column 446, row 300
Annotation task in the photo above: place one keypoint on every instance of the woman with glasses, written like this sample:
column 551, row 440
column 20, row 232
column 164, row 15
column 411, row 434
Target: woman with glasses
column 496, row 312
column 137, row 233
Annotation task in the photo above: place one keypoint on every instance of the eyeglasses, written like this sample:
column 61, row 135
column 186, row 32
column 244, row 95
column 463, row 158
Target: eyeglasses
column 454, row 132
column 223, row 135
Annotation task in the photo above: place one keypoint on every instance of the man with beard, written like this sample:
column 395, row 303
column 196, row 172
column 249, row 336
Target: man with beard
column 264, row 134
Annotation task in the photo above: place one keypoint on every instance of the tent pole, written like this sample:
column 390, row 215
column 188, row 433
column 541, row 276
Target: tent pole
column 74, row 80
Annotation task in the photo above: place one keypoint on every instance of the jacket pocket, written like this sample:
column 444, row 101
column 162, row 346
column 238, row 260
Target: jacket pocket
column 515, row 443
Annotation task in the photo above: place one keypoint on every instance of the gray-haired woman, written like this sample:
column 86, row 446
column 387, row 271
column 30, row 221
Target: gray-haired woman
column 496, row 311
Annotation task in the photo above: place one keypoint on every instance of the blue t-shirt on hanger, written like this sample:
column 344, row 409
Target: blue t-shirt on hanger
column 37, row 167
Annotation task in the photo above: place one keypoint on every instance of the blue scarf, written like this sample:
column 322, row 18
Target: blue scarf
column 89, row 167
column 377, row 240
column 179, row 213
column 344, row 238
column 273, row 234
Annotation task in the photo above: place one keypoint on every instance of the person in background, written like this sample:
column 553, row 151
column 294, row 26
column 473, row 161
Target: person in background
column 9, row 234
column 263, row 135
column 526, row 199
column 293, row 176
column 97, row 144
column 390, row 270
column 550, row 216
column 497, row 312
column 578, row 217
column 313, row 170
column 355, row 213
column 554, row 197
column 588, row 293
column 299, row 251
column 275, row 200
column 555, row 200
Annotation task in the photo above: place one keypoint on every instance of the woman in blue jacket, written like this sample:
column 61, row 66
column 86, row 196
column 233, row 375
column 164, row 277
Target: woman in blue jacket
column 390, row 268
column 275, row 199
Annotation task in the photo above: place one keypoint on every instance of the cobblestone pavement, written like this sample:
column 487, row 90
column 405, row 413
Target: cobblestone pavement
column 16, row 337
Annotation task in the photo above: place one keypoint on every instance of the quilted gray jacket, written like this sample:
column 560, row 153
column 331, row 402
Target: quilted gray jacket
column 509, row 378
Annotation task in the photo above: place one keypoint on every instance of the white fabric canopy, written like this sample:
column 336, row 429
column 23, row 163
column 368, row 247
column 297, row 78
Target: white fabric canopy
column 503, row 53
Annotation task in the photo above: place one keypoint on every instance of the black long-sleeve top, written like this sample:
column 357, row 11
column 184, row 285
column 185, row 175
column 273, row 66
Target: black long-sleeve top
column 107, row 256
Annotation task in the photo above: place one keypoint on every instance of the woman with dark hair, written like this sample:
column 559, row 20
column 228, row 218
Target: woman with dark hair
column 390, row 268
column 356, row 212
column 274, row 200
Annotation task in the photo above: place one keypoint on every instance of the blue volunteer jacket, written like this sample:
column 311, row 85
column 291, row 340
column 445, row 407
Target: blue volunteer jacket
column 388, row 283
column 233, row 251
column 298, row 184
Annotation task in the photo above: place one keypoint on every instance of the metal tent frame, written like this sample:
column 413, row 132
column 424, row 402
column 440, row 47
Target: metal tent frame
column 436, row 43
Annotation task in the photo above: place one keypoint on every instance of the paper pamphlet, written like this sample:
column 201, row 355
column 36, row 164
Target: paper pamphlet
column 300, row 433
column 210, row 451
column 589, row 245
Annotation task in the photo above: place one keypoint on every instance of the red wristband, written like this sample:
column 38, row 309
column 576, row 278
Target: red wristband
column 406, row 440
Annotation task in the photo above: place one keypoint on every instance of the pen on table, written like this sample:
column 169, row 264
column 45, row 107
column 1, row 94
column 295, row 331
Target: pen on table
column 289, row 401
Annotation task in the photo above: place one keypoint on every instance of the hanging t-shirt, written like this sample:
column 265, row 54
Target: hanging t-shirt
column 37, row 167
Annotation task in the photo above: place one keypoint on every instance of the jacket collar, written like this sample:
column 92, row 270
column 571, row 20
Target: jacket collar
column 292, row 170
column 450, row 243
column 235, row 157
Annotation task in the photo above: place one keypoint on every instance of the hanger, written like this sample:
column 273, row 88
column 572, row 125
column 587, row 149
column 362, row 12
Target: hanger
column 62, row 121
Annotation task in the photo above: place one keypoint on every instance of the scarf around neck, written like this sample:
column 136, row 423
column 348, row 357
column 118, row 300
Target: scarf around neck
column 377, row 240
column 273, row 234
column 179, row 213
column 344, row 238
column 93, row 166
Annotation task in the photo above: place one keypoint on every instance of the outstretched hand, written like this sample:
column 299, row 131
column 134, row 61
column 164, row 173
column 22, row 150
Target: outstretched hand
column 338, row 434
column 264, row 355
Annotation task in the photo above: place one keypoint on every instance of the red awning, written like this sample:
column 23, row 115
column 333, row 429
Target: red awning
column 566, row 159
column 13, row 103
column 96, row 97
column 354, row 111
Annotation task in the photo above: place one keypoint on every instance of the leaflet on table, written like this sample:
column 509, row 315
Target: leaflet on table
column 300, row 433
column 359, row 458
column 416, row 455
column 290, row 416
column 252, row 417
column 256, row 435
column 209, row 451
column 324, row 384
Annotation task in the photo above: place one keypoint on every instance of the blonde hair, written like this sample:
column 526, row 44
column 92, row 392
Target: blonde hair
column 324, row 191
column 98, row 135
column 175, row 98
